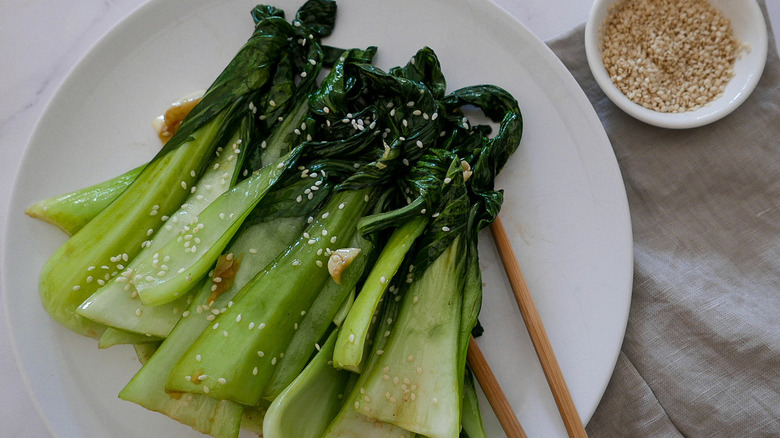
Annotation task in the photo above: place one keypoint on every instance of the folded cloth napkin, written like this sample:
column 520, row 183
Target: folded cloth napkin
column 701, row 355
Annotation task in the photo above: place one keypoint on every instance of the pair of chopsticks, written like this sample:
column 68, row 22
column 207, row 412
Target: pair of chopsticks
column 533, row 322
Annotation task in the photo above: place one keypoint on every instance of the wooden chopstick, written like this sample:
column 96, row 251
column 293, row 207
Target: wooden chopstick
column 533, row 323
column 493, row 392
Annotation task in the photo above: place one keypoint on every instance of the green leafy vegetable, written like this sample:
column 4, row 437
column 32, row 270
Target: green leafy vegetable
column 297, row 250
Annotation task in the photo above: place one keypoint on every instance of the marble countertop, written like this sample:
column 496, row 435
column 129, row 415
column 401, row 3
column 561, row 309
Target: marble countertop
column 44, row 39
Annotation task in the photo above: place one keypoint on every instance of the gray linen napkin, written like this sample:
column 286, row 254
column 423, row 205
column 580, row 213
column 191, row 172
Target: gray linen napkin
column 701, row 356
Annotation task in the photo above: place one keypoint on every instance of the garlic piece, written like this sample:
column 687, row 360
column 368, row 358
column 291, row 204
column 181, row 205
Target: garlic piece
column 339, row 261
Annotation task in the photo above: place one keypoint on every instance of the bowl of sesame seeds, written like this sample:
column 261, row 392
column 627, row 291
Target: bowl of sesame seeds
column 676, row 63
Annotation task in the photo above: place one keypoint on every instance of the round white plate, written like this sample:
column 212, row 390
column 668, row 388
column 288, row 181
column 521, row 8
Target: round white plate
column 565, row 209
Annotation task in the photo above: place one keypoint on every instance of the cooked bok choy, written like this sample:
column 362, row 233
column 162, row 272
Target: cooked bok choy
column 318, row 252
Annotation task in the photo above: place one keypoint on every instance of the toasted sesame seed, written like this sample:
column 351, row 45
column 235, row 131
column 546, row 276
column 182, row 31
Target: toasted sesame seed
column 686, row 64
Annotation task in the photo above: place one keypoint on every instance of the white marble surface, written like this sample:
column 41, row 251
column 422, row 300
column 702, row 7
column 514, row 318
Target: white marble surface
column 41, row 41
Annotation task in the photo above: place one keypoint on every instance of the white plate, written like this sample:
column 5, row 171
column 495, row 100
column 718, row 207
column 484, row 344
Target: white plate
column 565, row 209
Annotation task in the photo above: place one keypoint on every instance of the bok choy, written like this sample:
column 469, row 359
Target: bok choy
column 318, row 253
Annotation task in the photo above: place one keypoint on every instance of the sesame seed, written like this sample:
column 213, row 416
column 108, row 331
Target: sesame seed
column 687, row 63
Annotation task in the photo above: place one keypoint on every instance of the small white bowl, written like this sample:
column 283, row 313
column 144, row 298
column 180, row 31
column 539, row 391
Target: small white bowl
column 747, row 20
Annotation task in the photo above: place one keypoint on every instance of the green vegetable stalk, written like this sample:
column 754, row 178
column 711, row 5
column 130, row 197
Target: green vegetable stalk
column 123, row 226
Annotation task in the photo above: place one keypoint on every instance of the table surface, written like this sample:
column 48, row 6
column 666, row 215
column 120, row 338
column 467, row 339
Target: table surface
column 43, row 40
